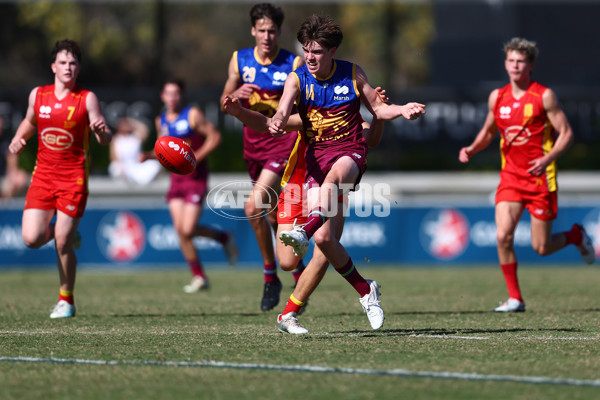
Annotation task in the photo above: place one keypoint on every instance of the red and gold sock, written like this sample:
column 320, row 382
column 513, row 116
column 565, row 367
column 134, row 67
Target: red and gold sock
column 293, row 305
column 66, row 295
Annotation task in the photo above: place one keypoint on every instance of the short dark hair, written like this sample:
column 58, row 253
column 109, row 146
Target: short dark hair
column 70, row 46
column 175, row 81
column 266, row 10
column 322, row 30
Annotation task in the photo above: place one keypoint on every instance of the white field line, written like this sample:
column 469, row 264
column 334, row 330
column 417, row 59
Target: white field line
column 540, row 380
column 424, row 336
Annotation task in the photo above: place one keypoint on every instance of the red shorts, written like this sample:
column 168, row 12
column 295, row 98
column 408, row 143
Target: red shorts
column 542, row 206
column 68, row 202
column 291, row 207
column 255, row 167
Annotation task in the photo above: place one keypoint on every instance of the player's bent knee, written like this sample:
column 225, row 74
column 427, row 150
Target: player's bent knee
column 323, row 238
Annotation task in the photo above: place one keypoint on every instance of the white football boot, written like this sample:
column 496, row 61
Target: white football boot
column 511, row 305
column 586, row 248
column 296, row 238
column 63, row 309
column 288, row 323
column 197, row 284
column 370, row 303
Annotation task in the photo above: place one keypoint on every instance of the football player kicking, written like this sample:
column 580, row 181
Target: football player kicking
column 292, row 207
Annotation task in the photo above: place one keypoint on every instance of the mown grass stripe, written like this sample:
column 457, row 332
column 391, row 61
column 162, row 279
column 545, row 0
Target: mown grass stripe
column 539, row 380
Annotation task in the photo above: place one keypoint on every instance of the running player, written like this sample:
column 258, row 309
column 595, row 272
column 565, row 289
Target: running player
column 256, row 76
column 528, row 117
column 187, row 192
column 63, row 115
column 329, row 93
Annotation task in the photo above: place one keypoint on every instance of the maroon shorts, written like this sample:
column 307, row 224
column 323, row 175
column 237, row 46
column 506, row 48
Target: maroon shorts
column 68, row 202
column 319, row 161
column 190, row 188
column 255, row 167
column 542, row 205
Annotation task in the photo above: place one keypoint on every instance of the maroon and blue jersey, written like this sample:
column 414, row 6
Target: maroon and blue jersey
column 330, row 107
column 270, row 77
column 332, row 124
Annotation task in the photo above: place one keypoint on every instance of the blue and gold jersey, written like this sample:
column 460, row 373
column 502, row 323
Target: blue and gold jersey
column 270, row 77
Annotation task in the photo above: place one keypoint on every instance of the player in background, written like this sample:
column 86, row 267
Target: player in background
column 187, row 192
column 256, row 76
column 63, row 115
column 528, row 117
column 329, row 92
column 292, row 207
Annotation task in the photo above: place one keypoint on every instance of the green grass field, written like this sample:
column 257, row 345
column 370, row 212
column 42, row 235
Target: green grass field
column 438, row 328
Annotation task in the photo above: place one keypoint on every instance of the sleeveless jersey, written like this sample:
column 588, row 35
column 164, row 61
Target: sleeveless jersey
column 525, row 134
column 181, row 127
column 63, row 140
column 330, row 108
column 270, row 77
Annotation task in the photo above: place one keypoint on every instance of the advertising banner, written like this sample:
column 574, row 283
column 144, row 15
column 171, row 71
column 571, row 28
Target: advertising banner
column 133, row 237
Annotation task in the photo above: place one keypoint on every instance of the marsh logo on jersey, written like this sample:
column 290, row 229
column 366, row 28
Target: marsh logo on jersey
column 44, row 112
column 505, row 112
column 444, row 233
column 121, row 236
column 340, row 92
column 279, row 78
column 591, row 224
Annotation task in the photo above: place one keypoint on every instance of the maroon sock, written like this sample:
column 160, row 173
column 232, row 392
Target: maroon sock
column 315, row 220
column 298, row 271
column 574, row 236
column 222, row 238
column 270, row 272
column 196, row 268
column 350, row 273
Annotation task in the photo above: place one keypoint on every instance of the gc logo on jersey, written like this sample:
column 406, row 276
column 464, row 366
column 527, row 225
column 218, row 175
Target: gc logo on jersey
column 517, row 135
column 56, row 138
column 45, row 112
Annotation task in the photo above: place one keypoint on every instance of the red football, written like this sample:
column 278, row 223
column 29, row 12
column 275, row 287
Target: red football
column 175, row 155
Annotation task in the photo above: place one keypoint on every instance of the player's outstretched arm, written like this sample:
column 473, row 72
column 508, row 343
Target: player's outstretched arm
column 97, row 121
column 26, row 128
column 256, row 120
column 374, row 131
column 382, row 110
column 485, row 135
